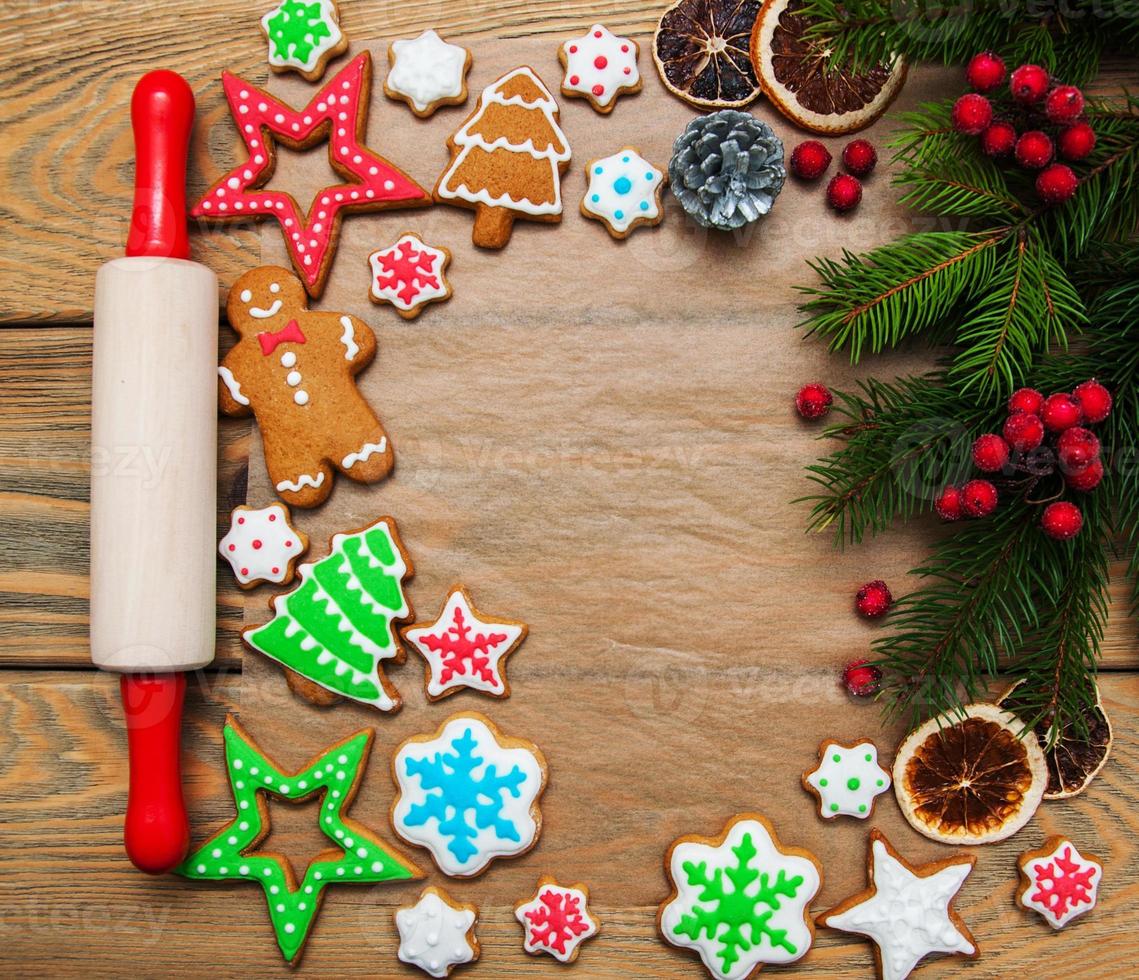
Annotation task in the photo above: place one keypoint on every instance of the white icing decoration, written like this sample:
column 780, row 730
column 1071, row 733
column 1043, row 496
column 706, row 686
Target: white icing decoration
column 232, row 384
column 428, row 70
column 348, row 338
column 487, row 845
column 493, row 654
column 468, row 140
column 264, row 314
column 302, row 481
column 600, row 60
column 288, row 359
column 246, row 295
column 293, row 378
column 301, row 397
column 1033, row 868
column 277, row 544
column 364, row 452
column 325, row 44
column 433, row 935
column 789, row 916
column 848, row 780
column 536, row 905
column 425, row 292
column 623, row 189
column 908, row 915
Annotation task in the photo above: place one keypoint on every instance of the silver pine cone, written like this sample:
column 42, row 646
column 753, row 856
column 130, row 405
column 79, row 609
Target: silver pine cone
column 727, row 169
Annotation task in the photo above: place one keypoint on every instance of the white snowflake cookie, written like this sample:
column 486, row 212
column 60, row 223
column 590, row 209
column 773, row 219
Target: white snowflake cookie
column 600, row 66
column 427, row 72
column 907, row 910
column 262, row 545
column 464, row 648
column 740, row 900
column 1058, row 881
column 468, row 793
column 303, row 35
column 847, row 779
column 437, row 933
column 556, row 920
column 409, row 275
column 624, row 192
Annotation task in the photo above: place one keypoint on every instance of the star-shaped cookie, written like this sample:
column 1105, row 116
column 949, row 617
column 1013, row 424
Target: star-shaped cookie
column 427, row 72
column 338, row 113
column 907, row 910
column 847, row 779
column 409, row 274
column 437, row 933
column 556, row 920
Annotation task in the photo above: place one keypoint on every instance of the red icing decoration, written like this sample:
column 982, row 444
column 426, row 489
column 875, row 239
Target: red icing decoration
column 600, row 62
column 290, row 333
column 256, row 544
column 574, row 79
column 1063, row 883
column 233, row 547
column 241, row 520
column 625, row 50
column 276, row 571
column 272, row 518
column 340, row 108
column 597, row 33
column 628, row 71
column 462, row 654
column 245, row 571
column 558, row 921
column 598, row 90
column 409, row 269
column 573, row 49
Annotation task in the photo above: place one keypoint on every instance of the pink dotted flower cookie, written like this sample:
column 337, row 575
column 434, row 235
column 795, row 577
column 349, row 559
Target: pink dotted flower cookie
column 262, row 545
column 600, row 66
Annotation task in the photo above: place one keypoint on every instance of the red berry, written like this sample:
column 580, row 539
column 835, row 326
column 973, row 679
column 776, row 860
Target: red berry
column 985, row 72
column 1060, row 411
column 948, row 504
column 978, row 498
column 1088, row 478
column 1076, row 142
column 844, row 192
column 1056, row 183
column 1034, row 150
column 1026, row 400
column 990, row 453
column 874, row 599
column 813, row 400
column 1064, row 104
column 1028, row 84
column 972, row 114
column 1024, row 432
column 862, row 678
column 1076, row 448
column 859, row 157
column 1094, row 400
column 1062, row 520
column 999, row 139
column 810, row 159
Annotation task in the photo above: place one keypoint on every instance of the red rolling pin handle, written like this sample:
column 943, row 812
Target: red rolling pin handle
column 156, row 831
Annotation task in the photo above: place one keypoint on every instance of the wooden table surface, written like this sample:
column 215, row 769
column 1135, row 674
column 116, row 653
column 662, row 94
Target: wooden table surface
column 713, row 728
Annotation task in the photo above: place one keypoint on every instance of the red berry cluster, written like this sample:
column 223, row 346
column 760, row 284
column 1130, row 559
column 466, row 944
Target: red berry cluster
column 1037, row 122
column 813, row 401
column 1040, row 437
column 811, row 159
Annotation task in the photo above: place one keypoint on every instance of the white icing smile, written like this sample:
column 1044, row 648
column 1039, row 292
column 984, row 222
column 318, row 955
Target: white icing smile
column 261, row 314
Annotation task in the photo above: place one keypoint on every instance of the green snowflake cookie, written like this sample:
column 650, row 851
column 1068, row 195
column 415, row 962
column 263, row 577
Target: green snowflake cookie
column 357, row 856
column 740, row 900
column 847, row 779
column 303, row 36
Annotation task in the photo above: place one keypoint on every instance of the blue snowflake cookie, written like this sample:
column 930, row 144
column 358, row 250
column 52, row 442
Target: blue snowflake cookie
column 624, row 192
column 468, row 794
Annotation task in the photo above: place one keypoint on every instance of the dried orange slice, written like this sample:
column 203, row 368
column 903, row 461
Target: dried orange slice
column 702, row 51
column 969, row 777
column 794, row 72
column 1074, row 758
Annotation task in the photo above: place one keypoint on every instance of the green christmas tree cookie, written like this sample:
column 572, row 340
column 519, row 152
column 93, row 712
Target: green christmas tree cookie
column 340, row 623
column 358, row 856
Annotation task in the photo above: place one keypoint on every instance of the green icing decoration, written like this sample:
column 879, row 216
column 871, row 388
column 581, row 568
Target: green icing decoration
column 338, row 624
column 853, row 783
column 358, row 856
column 299, row 32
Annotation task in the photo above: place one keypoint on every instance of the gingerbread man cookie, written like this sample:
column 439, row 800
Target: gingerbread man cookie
column 294, row 369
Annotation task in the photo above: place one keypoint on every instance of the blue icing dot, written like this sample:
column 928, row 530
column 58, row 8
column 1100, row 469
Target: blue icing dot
column 596, row 198
column 624, row 159
column 599, row 170
column 649, row 175
column 622, row 185
column 644, row 205
column 618, row 215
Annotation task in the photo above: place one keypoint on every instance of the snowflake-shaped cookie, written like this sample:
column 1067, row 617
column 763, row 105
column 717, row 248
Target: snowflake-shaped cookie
column 468, row 794
column 427, row 72
column 409, row 275
column 262, row 545
column 847, row 779
column 303, row 36
column 624, row 192
column 1058, row 881
column 556, row 920
column 437, row 933
column 600, row 66
column 740, row 900
column 465, row 648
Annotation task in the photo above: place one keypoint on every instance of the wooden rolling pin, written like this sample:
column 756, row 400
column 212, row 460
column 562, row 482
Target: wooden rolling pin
column 154, row 470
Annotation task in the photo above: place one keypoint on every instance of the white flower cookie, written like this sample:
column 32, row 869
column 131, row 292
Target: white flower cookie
column 427, row 72
column 600, row 66
column 262, row 545
column 847, row 779
column 437, row 933
column 624, row 192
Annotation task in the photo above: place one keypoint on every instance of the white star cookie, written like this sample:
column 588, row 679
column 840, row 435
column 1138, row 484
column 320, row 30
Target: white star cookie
column 600, row 66
column 847, row 779
column 262, row 545
column 907, row 910
column 437, row 933
column 427, row 72
column 624, row 192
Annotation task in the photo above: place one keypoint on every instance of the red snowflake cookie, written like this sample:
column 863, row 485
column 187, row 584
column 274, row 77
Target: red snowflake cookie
column 465, row 648
column 409, row 275
column 1058, row 881
column 556, row 920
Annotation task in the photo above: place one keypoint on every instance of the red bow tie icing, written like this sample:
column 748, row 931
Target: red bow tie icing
column 341, row 109
column 288, row 334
